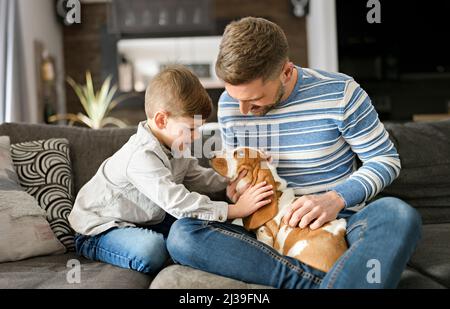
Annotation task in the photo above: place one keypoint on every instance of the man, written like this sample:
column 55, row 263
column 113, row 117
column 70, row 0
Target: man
column 322, row 121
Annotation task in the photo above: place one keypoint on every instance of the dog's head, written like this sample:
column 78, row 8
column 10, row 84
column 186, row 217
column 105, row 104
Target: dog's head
column 231, row 163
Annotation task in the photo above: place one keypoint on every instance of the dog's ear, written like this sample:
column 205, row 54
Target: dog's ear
column 246, row 181
column 241, row 168
column 266, row 156
column 267, row 212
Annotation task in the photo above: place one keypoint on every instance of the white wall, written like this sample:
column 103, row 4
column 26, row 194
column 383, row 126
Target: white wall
column 38, row 22
column 322, row 35
column 147, row 55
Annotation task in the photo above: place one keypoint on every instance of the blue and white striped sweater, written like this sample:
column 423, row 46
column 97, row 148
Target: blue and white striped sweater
column 316, row 135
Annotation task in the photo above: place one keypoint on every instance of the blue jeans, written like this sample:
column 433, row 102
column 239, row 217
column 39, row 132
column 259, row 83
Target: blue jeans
column 381, row 237
column 139, row 248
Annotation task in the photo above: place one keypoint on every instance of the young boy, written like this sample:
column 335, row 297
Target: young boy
column 120, row 214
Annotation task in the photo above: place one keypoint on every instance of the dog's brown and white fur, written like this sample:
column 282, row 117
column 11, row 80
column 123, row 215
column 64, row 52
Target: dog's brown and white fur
column 318, row 248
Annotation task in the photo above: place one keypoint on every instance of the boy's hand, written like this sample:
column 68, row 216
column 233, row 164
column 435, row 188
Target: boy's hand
column 232, row 194
column 250, row 201
column 316, row 209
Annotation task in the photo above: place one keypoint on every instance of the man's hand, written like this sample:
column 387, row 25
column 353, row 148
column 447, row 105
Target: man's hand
column 322, row 208
column 232, row 194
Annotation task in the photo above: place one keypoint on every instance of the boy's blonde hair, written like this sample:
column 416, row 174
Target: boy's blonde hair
column 177, row 91
column 251, row 48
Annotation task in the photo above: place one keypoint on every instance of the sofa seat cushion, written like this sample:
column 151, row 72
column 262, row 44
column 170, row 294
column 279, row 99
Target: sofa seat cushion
column 184, row 277
column 432, row 257
column 50, row 272
column 429, row 267
column 412, row 279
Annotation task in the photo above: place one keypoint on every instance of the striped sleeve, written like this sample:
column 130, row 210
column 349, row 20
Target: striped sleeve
column 367, row 137
column 227, row 135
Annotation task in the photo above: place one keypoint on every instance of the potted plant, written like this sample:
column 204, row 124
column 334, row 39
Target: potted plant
column 97, row 105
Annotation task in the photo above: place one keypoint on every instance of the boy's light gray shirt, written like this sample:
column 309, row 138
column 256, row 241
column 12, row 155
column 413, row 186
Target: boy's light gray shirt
column 142, row 181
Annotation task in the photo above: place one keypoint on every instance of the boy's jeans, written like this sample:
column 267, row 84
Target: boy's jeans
column 137, row 248
column 381, row 237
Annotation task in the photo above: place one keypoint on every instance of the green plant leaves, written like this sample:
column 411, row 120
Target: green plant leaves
column 96, row 104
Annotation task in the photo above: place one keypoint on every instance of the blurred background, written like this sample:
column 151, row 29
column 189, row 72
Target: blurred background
column 402, row 61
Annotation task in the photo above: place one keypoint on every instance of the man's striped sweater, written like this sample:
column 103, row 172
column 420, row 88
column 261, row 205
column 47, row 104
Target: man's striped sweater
column 316, row 134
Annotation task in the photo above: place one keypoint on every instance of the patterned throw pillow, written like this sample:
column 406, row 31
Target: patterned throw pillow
column 44, row 171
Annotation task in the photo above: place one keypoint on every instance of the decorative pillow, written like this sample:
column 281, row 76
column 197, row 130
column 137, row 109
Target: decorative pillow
column 24, row 231
column 8, row 176
column 44, row 170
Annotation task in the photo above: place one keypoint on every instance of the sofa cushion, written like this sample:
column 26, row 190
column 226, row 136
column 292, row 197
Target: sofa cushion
column 51, row 272
column 183, row 277
column 44, row 171
column 432, row 257
column 429, row 267
column 24, row 230
column 412, row 279
column 88, row 147
column 8, row 175
column 424, row 180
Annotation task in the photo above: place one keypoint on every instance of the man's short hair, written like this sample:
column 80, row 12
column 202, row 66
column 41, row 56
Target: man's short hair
column 177, row 91
column 251, row 48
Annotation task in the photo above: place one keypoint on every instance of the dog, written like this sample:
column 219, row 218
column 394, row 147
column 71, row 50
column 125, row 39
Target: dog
column 319, row 248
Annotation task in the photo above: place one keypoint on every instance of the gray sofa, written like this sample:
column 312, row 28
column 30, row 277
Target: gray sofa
column 424, row 182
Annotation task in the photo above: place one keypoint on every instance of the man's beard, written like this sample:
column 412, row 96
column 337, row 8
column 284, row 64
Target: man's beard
column 265, row 109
